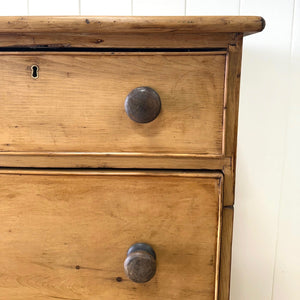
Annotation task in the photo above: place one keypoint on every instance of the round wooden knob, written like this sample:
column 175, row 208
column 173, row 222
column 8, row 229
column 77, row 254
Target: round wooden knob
column 142, row 104
column 140, row 263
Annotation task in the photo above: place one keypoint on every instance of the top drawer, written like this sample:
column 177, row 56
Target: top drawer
column 77, row 102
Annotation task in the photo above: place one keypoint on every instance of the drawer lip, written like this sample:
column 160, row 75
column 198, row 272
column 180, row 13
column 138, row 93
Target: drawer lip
column 119, row 161
column 110, row 154
column 117, row 172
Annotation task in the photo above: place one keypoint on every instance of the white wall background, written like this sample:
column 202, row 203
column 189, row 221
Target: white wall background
column 266, row 246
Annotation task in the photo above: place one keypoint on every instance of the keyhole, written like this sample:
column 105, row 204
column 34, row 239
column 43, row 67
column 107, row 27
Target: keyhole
column 35, row 71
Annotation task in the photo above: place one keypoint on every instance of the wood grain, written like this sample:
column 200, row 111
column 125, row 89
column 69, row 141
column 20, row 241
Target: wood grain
column 77, row 103
column 116, row 40
column 65, row 234
column 84, row 24
column 111, row 160
column 128, row 32
column 226, row 245
column 232, row 90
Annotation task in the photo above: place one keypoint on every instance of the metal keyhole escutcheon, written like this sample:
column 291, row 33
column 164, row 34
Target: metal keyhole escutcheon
column 35, row 71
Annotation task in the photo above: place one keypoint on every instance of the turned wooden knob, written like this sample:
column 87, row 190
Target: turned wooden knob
column 142, row 104
column 140, row 263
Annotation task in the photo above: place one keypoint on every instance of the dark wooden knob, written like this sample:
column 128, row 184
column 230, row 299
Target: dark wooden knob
column 140, row 263
column 142, row 104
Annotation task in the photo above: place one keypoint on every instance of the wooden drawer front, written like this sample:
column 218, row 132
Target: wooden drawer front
column 64, row 234
column 77, row 103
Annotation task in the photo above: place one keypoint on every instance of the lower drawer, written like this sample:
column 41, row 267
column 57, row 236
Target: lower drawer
column 65, row 234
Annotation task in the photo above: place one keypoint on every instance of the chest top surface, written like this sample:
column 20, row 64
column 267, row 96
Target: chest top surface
column 126, row 32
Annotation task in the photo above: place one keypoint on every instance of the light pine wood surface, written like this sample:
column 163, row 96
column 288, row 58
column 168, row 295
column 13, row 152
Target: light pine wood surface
column 226, row 242
column 77, row 103
column 65, row 233
column 92, row 24
column 73, row 115
column 110, row 32
column 104, row 40
column 263, row 106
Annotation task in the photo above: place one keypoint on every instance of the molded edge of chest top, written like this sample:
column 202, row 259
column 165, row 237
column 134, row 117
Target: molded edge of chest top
column 105, row 24
column 125, row 32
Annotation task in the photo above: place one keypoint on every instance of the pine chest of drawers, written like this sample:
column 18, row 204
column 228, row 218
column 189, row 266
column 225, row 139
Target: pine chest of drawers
column 118, row 145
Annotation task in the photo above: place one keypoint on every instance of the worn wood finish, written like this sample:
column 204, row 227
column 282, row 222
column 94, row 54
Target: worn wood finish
column 117, row 40
column 112, row 160
column 77, row 103
column 232, row 90
column 226, row 245
column 65, row 234
column 89, row 24
column 232, row 87
column 110, row 32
